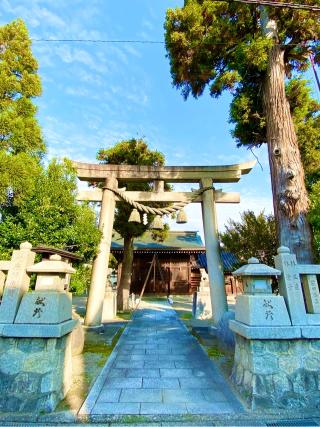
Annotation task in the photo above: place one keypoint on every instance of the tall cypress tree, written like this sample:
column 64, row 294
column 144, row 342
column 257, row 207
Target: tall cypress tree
column 21, row 142
column 250, row 51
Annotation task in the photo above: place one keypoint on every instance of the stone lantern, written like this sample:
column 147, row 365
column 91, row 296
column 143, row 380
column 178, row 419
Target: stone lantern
column 51, row 274
column 49, row 303
column 258, row 306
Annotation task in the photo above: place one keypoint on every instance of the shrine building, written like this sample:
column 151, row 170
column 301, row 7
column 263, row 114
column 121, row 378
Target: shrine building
column 179, row 259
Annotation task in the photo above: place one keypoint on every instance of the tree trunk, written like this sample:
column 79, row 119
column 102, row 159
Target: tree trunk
column 290, row 196
column 126, row 273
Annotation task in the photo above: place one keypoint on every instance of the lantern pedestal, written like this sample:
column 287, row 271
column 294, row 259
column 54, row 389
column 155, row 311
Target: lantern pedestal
column 45, row 307
column 262, row 310
column 276, row 364
column 36, row 366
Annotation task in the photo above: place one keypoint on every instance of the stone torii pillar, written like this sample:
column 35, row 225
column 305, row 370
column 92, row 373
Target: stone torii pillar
column 101, row 261
column 214, row 263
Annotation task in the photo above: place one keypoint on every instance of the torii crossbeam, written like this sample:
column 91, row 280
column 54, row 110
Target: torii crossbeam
column 114, row 175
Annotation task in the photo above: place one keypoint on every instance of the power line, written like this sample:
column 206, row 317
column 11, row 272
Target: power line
column 140, row 41
column 97, row 41
column 312, row 8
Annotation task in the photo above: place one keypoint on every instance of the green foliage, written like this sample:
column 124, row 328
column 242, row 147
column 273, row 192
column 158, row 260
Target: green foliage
column 160, row 235
column 21, row 142
column 209, row 41
column 215, row 352
column 51, row 216
column 80, row 280
column 314, row 215
column 19, row 83
column 252, row 236
column 131, row 152
column 305, row 112
column 36, row 204
column 125, row 315
column 221, row 46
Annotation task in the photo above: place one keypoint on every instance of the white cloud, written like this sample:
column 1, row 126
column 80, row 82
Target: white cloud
column 34, row 14
column 148, row 24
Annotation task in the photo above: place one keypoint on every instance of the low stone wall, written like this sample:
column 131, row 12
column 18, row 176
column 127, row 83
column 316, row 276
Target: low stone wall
column 278, row 373
column 35, row 373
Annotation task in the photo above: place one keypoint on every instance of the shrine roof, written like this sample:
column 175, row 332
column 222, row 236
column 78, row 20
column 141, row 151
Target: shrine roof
column 176, row 240
column 229, row 261
column 47, row 250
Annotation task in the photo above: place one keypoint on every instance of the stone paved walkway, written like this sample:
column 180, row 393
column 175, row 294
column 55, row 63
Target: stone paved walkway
column 158, row 367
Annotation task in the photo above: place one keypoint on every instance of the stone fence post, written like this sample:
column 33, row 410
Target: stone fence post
column 35, row 335
column 277, row 352
column 17, row 282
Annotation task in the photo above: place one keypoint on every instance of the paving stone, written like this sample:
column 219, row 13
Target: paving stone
column 161, row 351
column 176, row 357
column 116, row 408
column 125, row 347
column 133, row 364
column 117, row 373
column 163, row 408
column 213, row 395
column 146, row 373
column 123, row 383
column 159, row 364
column 122, row 358
column 141, row 395
column 146, row 347
column 187, row 395
column 196, row 382
column 159, row 368
column 145, row 357
column 160, row 383
column 169, row 373
column 197, row 372
column 109, row 395
column 182, row 364
column 138, row 351
column 210, row 408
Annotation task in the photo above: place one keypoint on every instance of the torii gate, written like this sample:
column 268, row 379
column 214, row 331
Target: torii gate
column 113, row 175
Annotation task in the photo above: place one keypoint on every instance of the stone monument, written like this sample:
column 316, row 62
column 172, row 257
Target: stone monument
column 35, row 335
column 277, row 352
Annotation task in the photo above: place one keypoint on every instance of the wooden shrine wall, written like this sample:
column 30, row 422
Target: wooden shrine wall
column 176, row 271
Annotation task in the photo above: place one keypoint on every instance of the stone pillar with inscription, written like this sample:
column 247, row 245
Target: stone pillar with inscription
column 290, row 286
column 277, row 352
column 35, row 348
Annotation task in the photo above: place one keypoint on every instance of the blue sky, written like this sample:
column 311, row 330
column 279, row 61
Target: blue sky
column 95, row 94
